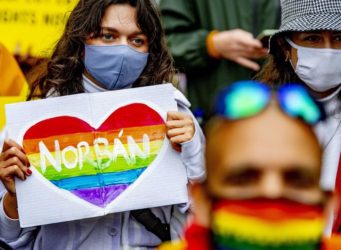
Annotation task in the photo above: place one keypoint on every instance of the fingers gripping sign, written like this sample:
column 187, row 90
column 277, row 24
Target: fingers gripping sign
column 180, row 128
column 13, row 163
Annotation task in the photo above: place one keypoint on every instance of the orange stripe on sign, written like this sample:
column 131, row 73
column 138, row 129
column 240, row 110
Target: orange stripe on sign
column 156, row 132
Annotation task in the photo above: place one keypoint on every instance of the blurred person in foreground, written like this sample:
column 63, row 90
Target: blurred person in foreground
column 263, row 167
column 214, row 42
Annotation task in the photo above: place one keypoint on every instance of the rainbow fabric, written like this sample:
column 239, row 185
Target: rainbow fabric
column 98, row 181
column 266, row 225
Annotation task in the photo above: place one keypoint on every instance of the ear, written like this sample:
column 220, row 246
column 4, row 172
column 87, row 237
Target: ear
column 287, row 55
column 201, row 204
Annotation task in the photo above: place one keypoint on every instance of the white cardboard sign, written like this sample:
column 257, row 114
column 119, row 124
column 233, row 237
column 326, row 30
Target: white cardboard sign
column 94, row 154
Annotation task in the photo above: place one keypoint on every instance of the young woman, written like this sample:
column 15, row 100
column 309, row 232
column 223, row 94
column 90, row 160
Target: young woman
column 106, row 45
column 307, row 50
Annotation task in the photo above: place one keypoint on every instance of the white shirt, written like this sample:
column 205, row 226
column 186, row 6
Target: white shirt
column 329, row 134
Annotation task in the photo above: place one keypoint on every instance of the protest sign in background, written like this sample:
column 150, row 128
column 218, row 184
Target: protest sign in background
column 33, row 25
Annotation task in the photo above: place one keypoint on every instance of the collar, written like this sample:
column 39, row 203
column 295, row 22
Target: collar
column 91, row 87
column 332, row 104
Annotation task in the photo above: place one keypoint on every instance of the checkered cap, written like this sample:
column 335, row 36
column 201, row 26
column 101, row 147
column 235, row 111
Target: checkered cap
column 306, row 15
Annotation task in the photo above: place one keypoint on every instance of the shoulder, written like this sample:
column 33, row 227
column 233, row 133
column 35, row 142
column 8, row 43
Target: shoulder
column 181, row 99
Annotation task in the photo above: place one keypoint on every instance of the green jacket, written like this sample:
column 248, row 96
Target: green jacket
column 187, row 24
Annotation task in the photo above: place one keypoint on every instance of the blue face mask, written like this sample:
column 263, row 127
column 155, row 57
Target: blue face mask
column 114, row 66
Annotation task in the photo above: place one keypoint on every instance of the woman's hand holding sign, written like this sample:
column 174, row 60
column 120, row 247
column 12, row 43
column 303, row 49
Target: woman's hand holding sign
column 180, row 128
column 13, row 163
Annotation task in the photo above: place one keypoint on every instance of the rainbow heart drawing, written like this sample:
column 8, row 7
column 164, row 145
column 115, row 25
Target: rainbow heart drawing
column 96, row 164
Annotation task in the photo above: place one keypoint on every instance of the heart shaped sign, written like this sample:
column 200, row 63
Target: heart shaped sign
column 96, row 164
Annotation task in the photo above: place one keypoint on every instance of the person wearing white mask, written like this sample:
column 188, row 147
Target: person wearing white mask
column 307, row 50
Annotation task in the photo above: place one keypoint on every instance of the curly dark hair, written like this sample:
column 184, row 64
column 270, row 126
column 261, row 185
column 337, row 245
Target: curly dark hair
column 62, row 73
column 277, row 69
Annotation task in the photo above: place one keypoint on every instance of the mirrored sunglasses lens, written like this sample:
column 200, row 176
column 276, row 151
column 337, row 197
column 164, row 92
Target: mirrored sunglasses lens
column 297, row 102
column 245, row 99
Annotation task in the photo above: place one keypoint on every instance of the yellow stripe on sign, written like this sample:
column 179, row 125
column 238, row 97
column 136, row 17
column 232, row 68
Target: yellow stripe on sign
column 34, row 25
column 254, row 229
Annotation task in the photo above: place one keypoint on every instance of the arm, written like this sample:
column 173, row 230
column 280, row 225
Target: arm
column 9, row 228
column 12, row 233
column 13, row 164
column 186, row 40
column 194, row 47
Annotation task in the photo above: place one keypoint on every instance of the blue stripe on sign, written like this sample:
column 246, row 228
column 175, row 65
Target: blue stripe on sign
column 105, row 179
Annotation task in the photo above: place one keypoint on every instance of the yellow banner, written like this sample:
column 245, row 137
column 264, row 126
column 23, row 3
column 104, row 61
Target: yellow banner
column 11, row 99
column 33, row 25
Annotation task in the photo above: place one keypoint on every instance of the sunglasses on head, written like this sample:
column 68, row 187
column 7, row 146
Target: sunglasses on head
column 248, row 98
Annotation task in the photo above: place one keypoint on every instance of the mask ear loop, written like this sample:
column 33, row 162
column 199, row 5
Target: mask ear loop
column 287, row 56
column 288, row 59
column 287, row 53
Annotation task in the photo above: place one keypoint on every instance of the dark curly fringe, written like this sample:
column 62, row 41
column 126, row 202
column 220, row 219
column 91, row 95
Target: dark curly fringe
column 62, row 73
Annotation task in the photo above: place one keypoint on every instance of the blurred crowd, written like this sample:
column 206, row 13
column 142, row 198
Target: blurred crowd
column 258, row 125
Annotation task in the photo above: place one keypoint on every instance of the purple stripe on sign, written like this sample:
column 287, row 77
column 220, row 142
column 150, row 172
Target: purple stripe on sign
column 100, row 196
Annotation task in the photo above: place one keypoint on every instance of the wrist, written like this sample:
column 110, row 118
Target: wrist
column 10, row 206
column 210, row 45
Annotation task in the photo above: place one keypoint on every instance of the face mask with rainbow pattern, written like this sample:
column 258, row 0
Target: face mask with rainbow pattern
column 266, row 225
